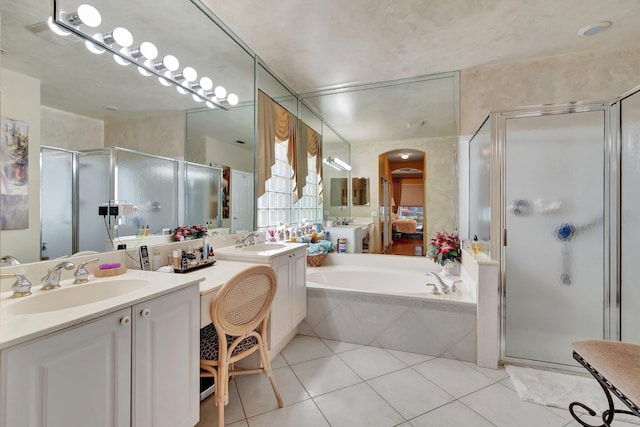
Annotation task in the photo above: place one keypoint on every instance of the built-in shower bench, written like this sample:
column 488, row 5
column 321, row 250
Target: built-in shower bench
column 616, row 367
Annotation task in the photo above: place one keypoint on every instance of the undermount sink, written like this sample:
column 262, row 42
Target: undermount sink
column 264, row 247
column 70, row 296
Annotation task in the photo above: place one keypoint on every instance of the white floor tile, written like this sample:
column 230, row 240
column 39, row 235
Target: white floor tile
column 410, row 358
column 507, row 383
column 371, row 362
column 340, row 346
column 297, row 415
column 357, row 405
column 455, row 377
column 303, row 348
column 321, row 376
column 503, row 407
column 257, row 395
column 454, row 414
column 233, row 412
column 495, row 374
column 278, row 362
column 410, row 393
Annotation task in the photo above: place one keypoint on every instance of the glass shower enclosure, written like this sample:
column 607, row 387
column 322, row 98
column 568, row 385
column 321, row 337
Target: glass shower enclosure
column 553, row 194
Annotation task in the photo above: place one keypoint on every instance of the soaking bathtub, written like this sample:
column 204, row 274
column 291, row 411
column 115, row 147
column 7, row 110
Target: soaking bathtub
column 384, row 300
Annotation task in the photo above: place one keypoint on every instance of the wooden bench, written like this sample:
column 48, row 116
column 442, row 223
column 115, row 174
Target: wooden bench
column 616, row 367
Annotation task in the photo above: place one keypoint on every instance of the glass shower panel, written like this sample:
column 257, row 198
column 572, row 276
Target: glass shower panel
column 56, row 195
column 630, row 219
column 554, row 257
column 479, row 182
column 94, row 189
column 151, row 184
column 203, row 194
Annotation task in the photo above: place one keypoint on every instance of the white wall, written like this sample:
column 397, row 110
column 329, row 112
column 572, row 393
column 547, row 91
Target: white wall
column 21, row 101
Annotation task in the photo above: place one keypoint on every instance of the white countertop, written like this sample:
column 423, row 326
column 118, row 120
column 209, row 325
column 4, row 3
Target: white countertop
column 261, row 257
column 16, row 329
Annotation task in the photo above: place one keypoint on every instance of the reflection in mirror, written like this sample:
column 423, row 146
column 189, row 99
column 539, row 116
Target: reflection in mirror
column 412, row 114
column 335, row 146
column 79, row 101
column 360, row 189
column 339, row 191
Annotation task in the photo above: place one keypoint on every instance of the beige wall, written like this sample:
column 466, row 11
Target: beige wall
column 159, row 134
column 71, row 131
column 228, row 154
column 439, row 184
column 596, row 75
column 21, row 101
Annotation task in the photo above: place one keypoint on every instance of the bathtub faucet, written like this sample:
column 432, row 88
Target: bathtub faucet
column 446, row 289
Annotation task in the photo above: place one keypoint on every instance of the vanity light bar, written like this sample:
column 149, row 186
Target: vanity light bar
column 118, row 42
column 336, row 163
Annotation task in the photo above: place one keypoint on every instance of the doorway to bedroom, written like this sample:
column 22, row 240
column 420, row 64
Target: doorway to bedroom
column 406, row 168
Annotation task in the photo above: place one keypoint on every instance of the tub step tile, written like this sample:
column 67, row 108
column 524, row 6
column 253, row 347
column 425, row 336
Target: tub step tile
column 340, row 346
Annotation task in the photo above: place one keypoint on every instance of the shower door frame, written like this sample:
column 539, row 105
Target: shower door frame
column 611, row 203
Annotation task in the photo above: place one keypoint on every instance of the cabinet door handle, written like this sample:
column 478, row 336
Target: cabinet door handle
column 125, row 320
column 145, row 313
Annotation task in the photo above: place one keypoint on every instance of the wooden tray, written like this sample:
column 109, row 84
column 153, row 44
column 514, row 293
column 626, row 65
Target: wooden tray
column 111, row 272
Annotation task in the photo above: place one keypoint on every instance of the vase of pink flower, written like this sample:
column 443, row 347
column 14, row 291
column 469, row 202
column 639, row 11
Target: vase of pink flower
column 445, row 251
column 189, row 233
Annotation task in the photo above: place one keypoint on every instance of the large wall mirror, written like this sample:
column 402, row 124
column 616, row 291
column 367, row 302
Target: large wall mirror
column 403, row 116
column 75, row 100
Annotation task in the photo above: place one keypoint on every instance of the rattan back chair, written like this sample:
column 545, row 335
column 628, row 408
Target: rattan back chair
column 240, row 313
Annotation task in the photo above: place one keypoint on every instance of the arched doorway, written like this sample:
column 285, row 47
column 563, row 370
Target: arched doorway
column 405, row 170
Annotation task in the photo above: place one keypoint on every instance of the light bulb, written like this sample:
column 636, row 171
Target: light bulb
column 119, row 35
column 220, row 92
column 149, row 50
column 232, row 99
column 210, row 104
column 87, row 15
column 181, row 90
column 206, row 84
column 92, row 47
column 196, row 98
column 163, row 81
column 190, row 74
column 122, row 61
column 171, row 63
column 144, row 72
column 56, row 28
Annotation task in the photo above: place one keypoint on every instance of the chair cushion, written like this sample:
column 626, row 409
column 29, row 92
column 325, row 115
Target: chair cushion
column 209, row 348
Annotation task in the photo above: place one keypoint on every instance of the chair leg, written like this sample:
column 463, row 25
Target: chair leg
column 222, row 391
column 266, row 366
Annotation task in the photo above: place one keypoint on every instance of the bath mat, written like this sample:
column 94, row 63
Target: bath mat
column 550, row 388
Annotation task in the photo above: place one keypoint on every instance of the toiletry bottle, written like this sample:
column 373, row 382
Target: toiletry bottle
column 44, row 255
column 147, row 232
column 157, row 263
column 475, row 245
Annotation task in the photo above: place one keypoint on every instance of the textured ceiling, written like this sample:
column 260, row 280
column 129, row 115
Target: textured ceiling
column 320, row 44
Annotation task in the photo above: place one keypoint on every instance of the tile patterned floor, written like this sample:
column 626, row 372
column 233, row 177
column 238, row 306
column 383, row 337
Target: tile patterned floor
column 330, row 383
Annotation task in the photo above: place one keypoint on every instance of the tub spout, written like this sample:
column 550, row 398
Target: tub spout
column 445, row 288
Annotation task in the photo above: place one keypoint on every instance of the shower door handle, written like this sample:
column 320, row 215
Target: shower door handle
column 504, row 237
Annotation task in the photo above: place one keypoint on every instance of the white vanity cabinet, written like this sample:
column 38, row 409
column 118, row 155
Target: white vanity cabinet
column 137, row 366
column 290, row 303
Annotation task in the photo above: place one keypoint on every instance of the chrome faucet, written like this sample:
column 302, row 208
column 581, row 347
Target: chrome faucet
column 251, row 237
column 52, row 279
column 21, row 287
column 11, row 260
column 446, row 289
column 82, row 274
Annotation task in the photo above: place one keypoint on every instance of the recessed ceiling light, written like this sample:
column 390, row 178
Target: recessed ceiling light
column 240, row 142
column 110, row 108
column 593, row 29
column 416, row 123
column 404, row 156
